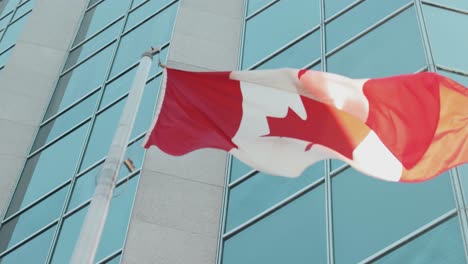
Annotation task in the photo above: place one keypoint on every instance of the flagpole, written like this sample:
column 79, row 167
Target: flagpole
column 91, row 231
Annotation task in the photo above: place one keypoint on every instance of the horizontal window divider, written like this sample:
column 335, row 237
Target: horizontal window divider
column 339, row 169
column 127, row 178
column 343, row 11
column 81, row 43
column 285, row 47
column 94, row 5
column 135, row 139
column 369, row 29
column 18, row 18
column 7, row 49
column 7, row 14
column 149, row 17
column 76, row 209
column 410, row 237
column 452, row 70
column 37, row 201
column 242, row 178
column 71, row 68
column 116, row 101
column 263, row 8
column 137, row 6
column 110, row 257
column 312, row 64
column 441, row 6
column 273, row 208
column 29, row 238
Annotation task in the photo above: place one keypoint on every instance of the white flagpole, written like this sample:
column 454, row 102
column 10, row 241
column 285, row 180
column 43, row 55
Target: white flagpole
column 91, row 231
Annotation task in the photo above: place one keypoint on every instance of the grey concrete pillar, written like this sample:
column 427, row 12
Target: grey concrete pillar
column 177, row 210
column 28, row 80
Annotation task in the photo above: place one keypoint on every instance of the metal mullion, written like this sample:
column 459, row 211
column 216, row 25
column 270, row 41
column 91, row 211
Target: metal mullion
column 139, row 5
column 369, row 29
column 223, row 214
column 425, row 37
column 273, row 208
column 110, row 257
column 243, row 178
column 7, row 49
column 29, row 238
column 35, row 202
column 410, row 237
column 150, row 17
column 340, row 169
column 341, row 12
column 313, row 63
column 59, row 137
column 86, row 140
column 81, row 43
column 7, row 14
column 88, row 57
column 285, row 47
column 463, row 12
column 13, row 12
column 452, row 70
column 260, row 10
column 94, row 5
column 18, row 18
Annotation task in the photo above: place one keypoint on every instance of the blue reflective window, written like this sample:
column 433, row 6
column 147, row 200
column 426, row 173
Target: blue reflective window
column 154, row 32
column 293, row 234
column 238, row 169
column 146, row 110
column 353, row 22
column 334, row 6
column 118, row 87
column 48, row 169
column 335, row 164
column 114, row 260
column 10, row 5
column 255, row 5
column 393, row 48
column 262, row 191
column 463, row 172
column 12, row 32
column 134, row 153
column 443, row 244
column 4, row 21
column 380, row 213
column 68, row 236
column 30, row 221
column 80, row 81
column 34, row 251
column 65, row 122
column 462, row 79
column 5, row 56
column 268, row 31
column 24, row 8
column 99, row 16
column 81, row 52
column 447, row 35
column 459, row 4
column 102, row 134
column 298, row 55
column 144, row 11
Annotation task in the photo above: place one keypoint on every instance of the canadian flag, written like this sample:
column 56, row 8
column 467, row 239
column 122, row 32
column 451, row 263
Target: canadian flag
column 406, row 128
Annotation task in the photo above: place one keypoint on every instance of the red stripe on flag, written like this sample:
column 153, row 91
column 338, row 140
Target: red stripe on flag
column 200, row 110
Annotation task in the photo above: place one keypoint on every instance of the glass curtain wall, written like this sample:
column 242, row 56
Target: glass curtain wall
column 13, row 16
column 53, row 192
column 332, row 213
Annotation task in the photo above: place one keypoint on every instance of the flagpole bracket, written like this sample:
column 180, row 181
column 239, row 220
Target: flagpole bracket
column 152, row 51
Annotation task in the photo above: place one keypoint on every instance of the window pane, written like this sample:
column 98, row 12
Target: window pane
column 68, row 236
column 443, row 244
column 4, row 21
column 12, row 32
column 32, row 220
column 24, row 8
column 80, row 81
column 118, row 87
column 293, row 234
column 354, row 21
column 335, row 164
column 90, row 46
column 9, row 6
column 65, row 122
column 262, row 191
column 48, row 169
column 144, row 11
column 268, row 31
column 154, row 32
column 99, row 16
column 5, row 56
column 238, row 169
column 393, row 48
column 254, row 5
column 463, row 172
column 462, row 79
column 147, row 106
column 380, row 213
column 447, row 35
column 35, row 251
column 102, row 134
column 334, row 6
column 297, row 56
column 135, row 153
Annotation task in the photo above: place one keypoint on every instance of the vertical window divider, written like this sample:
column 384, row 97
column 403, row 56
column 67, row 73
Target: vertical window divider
column 86, row 140
column 454, row 176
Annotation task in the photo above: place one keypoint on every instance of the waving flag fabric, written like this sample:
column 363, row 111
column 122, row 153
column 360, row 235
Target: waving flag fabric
column 403, row 128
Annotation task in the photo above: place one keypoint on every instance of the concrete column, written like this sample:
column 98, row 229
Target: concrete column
column 28, row 80
column 177, row 210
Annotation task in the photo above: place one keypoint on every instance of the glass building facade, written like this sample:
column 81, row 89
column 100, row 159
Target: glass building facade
column 53, row 193
column 332, row 213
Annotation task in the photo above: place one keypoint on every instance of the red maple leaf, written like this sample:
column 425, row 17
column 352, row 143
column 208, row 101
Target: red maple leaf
column 324, row 125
